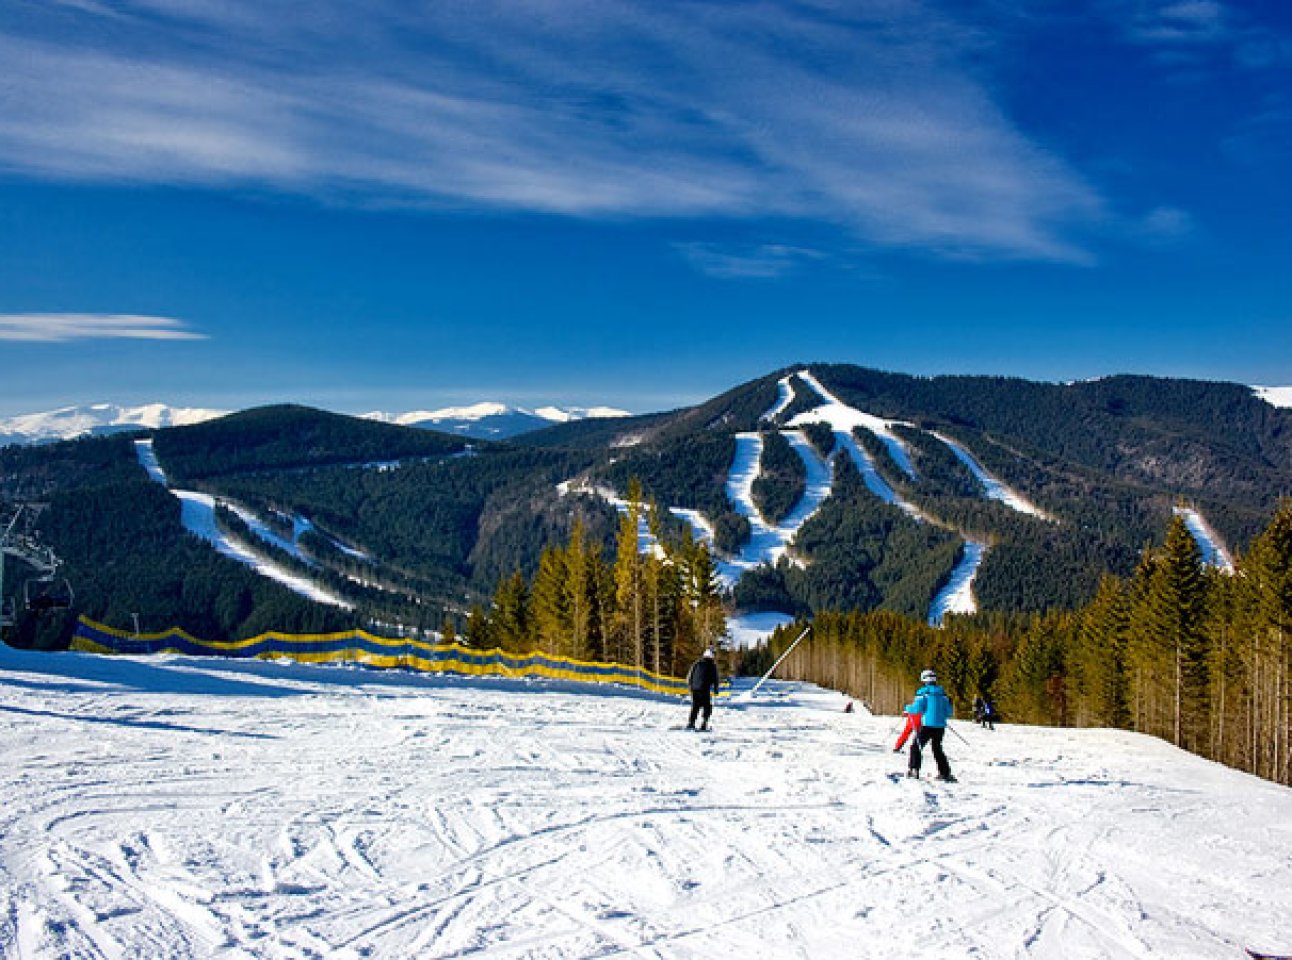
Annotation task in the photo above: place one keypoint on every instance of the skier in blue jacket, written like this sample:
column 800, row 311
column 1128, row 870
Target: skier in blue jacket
column 933, row 707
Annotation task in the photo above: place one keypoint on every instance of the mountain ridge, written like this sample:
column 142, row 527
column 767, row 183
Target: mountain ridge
column 486, row 420
column 441, row 520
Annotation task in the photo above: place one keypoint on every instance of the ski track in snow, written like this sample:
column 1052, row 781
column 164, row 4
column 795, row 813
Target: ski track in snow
column 993, row 489
column 844, row 419
column 784, row 397
column 956, row 596
column 870, row 476
column 197, row 513
column 767, row 542
column 1213, row 551
column 203, row 808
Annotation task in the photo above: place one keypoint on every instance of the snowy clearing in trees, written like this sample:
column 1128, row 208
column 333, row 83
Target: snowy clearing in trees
column 203, row 808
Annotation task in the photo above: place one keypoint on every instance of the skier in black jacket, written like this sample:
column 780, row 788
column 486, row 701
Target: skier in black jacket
column 703, row 681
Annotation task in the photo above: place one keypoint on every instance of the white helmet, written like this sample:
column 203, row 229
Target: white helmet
column 928, row 676
column 708, row 654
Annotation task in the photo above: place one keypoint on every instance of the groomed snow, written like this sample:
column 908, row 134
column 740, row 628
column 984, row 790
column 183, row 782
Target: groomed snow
column 1213, row 551
column 197, row 514
column 751, row 629
column 993, row 489
column 784, row 397
column 190, row 809
column 844, row 419
column 768, row 542
column 956, row 596
column 870, row 476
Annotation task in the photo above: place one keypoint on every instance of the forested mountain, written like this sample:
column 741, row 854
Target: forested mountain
column 414, row 527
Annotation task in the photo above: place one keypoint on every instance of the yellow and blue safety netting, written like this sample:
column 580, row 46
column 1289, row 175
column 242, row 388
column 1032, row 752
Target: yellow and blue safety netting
column 360, row 646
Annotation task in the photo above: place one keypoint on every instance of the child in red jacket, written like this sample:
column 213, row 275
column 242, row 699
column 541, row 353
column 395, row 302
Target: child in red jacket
column 912, row 726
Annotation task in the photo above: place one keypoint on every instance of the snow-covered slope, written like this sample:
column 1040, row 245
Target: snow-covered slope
column 192, row 809
column 1275, row 396
column 1213, row 550
column 69, row 423
column 197, row 513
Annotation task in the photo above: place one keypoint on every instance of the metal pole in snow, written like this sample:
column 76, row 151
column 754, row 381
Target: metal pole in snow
column 779, row 661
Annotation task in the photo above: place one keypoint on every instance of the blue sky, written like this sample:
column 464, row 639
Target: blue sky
column 394, row 205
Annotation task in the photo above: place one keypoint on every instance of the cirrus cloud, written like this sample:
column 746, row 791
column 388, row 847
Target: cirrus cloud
column 64, row 327
column 875, row 117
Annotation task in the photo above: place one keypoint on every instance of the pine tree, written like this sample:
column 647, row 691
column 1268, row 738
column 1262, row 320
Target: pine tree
column 479, row 634
column 1268, row 573
column 550, row 603
column 1098, row 663
column 510, row 621
column 584, row 577
column 630, row 600
column 703, row 614
column 1179, row 607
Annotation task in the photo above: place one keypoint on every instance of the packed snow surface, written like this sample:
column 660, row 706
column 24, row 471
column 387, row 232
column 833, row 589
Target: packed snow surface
column 992, row 488
column 956, row 596
column 784, row 397
column 188, row 808
column 768, row 542
column 1213, row 551
column 751, row 629
column 197, row 514
column 844, row 419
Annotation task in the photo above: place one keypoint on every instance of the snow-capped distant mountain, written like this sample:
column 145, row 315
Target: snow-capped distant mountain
column 1275, row 396
column 481, row 421
column 95, row 419
column 494, row 421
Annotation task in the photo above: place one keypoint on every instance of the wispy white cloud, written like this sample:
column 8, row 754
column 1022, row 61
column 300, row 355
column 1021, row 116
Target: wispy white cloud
column 1181, row 22
column 1166, row 226
column 1186, row 33
column 872, row 116
column 62, row 327
column 760, row 262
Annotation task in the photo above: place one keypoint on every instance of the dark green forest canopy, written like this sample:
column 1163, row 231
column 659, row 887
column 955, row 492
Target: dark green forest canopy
column 288, row 437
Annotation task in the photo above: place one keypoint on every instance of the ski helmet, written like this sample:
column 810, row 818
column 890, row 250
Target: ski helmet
column 928, row 676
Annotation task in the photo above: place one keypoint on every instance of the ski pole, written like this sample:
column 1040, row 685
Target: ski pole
column 958, row 734
column 780, row 661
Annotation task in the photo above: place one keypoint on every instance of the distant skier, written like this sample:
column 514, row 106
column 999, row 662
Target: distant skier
column 933, row 707
column 703, row 681
column 984, row 712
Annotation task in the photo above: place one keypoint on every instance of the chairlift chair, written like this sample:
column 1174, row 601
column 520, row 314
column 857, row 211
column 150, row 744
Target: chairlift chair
column 44, row 594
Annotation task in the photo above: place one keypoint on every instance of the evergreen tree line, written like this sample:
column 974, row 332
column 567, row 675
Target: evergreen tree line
column 657, row 609
column 1178, row 650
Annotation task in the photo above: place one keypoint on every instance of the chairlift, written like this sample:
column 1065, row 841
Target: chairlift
column 46, row 594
